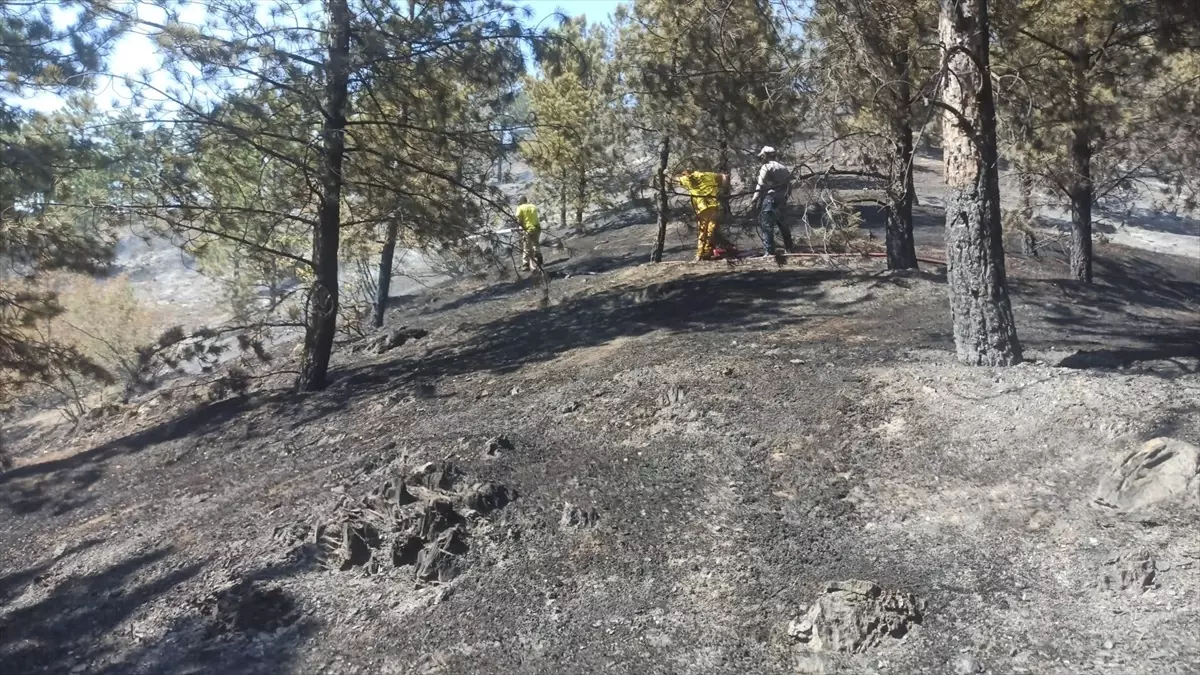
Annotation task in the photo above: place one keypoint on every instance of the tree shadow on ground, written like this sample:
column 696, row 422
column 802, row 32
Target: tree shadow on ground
column 79, row 471
column 67, row 627
column 753, row 300
column 1137, row 311
column 628, row 214
column 77, row 626
column 1151, row 220
column 1184, row 356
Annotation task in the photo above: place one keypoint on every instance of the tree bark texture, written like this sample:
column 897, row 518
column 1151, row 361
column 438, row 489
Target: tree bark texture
column 984, row 331
column 384, row 287
column 323, row 297
column 562, row 201
column 664, row 204
column 580, row 198
column 724, row 168
column 901, row 249
column 1081, row 188
column 1025, row 212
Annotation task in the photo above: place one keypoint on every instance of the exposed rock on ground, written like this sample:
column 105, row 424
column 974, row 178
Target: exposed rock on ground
column 392, row 527
column 578, row 517
column 854, row 616
column 396, row 337
column 1161, row 470
column 1134, row 570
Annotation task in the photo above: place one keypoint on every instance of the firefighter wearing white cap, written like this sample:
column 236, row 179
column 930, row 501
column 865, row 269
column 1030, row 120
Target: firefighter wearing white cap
column 770, row 199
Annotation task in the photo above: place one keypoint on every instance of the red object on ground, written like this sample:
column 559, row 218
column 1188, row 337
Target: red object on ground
column 725, row 253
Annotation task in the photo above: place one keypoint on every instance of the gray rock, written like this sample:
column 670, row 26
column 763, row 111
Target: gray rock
column 1163, row 469
column 674, row 396
column 496, row 446
column 966, row 664
column 1134, row 570
column 442, row 559
column 853, row 616
column 406, row 550
column 436, row 476
column 578, row 517
column 487, row 497
column 396, row 337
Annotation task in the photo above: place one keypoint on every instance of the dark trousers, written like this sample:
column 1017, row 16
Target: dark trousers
column 769, row 218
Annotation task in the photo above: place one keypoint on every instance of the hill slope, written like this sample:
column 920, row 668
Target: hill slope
column 658, row 473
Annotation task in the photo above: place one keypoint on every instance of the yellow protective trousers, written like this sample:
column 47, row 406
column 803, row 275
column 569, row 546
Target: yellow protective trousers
column 706, row 230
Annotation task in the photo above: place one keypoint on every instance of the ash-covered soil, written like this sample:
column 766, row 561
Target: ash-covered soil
column 663, row 471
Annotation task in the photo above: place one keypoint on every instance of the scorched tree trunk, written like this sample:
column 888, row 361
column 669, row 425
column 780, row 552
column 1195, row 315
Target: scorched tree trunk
column 984, row 332
column 664, row 204
column 323, row 297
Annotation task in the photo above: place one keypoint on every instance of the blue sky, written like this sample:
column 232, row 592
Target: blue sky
column 595, row 10
column 135, row 53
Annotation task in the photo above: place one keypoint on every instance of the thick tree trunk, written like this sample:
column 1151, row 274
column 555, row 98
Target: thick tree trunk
column 580, row 198
column 984, row 332
column 664, row 204
column 323, row 297
column 1081, row 189
column 386, row 256
column 901, row 249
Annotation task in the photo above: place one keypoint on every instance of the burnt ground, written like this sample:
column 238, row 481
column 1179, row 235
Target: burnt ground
column 731, row 439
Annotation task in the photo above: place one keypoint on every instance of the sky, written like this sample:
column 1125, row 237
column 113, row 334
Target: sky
column 135, row 53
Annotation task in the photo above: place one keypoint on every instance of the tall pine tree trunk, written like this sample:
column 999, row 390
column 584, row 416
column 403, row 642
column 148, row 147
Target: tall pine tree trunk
column 386, row 256
column 580, row 198
column 664, row 204
column 1025, row 211
column 323, row 297
column 901, row 249
column 1081, row 188
column 723, row 167
column 562, row 201
column 984, row 332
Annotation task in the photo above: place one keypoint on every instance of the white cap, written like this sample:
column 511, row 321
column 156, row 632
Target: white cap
column 767, row 150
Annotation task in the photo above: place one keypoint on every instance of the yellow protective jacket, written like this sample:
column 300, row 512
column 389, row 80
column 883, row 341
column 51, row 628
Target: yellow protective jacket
column 704, row 186
column 527, row 216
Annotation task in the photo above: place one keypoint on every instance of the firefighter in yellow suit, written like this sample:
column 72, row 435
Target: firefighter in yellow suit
column 704, row 187
column 531, row 248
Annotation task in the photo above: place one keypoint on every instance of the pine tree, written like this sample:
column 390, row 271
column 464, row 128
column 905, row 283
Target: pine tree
column 329, row 73
column 1077, row 86
column 44, row 158
column 984, row 331
column 711, row 82
column 573, row 109
column 875, row 59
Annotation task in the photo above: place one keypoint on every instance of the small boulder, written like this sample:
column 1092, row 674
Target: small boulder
column 397, row 337
column 578, row 517
column 496, row 446
column 441, row 560
column 853, row 616
column 487, row 497
column 437, row 516
column 436, row 476
column 1130, row 571
column 1162, row 470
